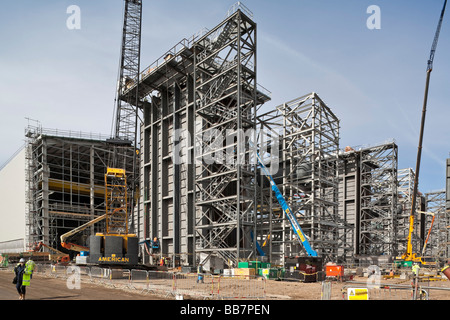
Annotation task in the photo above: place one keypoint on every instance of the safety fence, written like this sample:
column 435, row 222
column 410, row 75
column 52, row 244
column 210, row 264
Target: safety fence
column 354, row 290
column 163, row 283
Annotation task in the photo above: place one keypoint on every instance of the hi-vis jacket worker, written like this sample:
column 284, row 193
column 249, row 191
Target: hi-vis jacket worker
column 23, row 276
column 415, row 269
column 29, row 268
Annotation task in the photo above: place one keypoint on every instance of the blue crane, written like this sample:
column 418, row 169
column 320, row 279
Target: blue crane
column 287, row 210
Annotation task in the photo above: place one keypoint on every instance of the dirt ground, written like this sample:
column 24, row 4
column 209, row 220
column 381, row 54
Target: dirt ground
column 312, row 291
column 44, row 288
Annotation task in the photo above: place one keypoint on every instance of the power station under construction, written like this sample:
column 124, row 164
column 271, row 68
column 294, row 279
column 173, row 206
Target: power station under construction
column 196, row 175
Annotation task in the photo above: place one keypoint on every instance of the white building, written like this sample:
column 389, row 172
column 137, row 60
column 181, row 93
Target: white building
column 12, row 199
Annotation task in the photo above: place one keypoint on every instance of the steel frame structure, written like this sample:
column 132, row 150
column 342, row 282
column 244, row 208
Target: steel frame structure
column 65, row 182
column 226, row 101
column 308, row 178
column 202, row 97
column 438, row 243
column 378, row 200
column 349, row 202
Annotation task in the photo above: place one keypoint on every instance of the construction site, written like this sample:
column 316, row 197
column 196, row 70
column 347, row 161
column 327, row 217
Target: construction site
column 196, row 177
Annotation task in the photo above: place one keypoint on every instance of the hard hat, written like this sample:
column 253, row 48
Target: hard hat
column 22, row 260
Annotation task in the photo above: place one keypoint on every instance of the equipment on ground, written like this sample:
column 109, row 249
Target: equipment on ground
column 429, row 231
column 409, row 255
column 116, row 245
column 57, row 256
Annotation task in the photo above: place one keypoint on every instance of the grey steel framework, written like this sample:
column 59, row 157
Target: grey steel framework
column 378, row 200
column 225, row 101
column 368, row 200
column 65, row 182
column 202, row 97
column 307, row 177
column 438, row 243
column 349, row 201
column 202, row 194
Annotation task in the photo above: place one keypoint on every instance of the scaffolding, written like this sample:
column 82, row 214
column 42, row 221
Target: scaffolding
column 65, row 182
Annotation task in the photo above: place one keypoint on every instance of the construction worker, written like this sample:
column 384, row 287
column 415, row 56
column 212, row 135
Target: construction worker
column 415, row 269
column 30, row 265
column 155, row 245
column 21, row 285
column 200, row 273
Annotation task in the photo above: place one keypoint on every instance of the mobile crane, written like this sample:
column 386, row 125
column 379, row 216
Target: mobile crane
column 117, row 246
column 307, row 267
column 409, row 255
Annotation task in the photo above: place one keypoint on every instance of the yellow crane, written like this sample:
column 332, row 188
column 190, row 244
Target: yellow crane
column 409, row 255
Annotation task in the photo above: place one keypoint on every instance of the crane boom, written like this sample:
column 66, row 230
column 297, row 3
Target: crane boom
column 287, row 210
column 408, row 255
column 127, row 109
column 66, row 235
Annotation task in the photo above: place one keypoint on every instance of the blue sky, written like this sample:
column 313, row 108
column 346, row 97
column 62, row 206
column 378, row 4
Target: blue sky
column 373, row 80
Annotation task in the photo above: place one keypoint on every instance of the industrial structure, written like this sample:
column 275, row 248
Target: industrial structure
column 193, row 175
column 307, row 173
column 368, row 198
column 65, row 182
column 199, row 91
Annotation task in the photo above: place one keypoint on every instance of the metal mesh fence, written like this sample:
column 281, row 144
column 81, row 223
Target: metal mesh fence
column 162, row 283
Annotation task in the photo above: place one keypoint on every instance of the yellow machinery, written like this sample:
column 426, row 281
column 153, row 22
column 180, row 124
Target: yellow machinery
column 74, row 246
column 116, row 245
column 409, row 256
column 429, row 231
